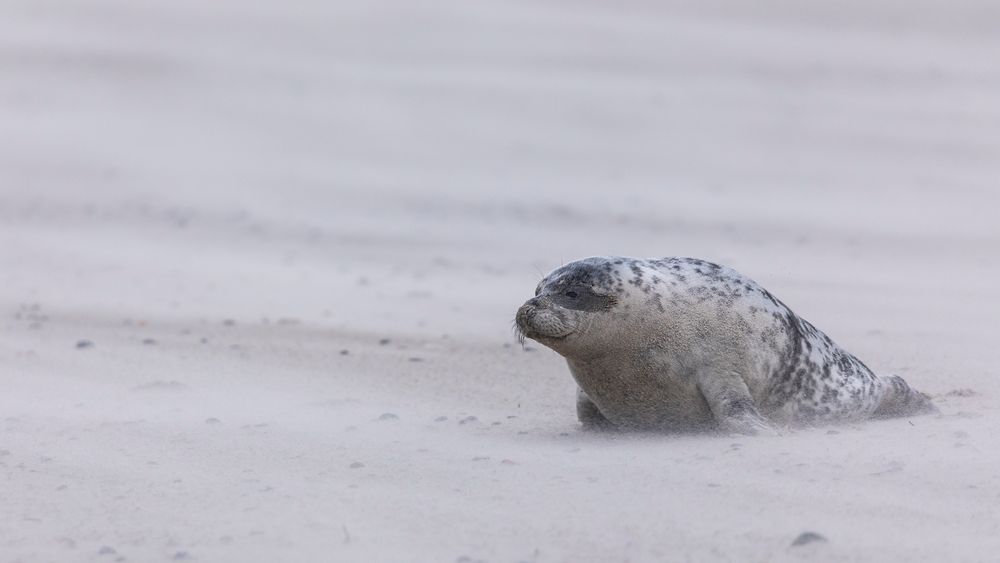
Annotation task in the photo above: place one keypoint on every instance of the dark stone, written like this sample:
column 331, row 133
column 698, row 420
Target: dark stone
column 808, row 537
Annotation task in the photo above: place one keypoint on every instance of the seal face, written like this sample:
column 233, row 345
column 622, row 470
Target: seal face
column 681, row 343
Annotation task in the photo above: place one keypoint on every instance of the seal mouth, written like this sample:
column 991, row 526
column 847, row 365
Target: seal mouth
column 523, row 335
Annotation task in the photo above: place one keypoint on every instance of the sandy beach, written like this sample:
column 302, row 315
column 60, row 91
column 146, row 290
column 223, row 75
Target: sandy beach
column 259, row 263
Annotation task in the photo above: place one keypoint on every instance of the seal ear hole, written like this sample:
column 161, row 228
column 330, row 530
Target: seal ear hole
column 572, row 294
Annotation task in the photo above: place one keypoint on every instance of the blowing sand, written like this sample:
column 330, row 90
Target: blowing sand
column 259, row 263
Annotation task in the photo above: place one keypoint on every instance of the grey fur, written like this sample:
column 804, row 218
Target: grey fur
column 681, row 343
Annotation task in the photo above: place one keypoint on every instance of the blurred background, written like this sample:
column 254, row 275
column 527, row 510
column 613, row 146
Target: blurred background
column 319, row 142
column 232, row 210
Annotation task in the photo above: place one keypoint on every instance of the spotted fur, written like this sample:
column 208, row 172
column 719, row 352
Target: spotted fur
column 678, row 343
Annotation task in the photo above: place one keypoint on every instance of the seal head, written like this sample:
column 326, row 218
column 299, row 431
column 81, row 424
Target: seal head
column 566, row 305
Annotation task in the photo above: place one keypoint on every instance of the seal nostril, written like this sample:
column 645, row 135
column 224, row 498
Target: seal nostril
column 534, row 302
column 525, row 313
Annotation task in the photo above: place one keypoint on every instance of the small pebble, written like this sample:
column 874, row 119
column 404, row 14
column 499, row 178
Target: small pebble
column 212, row 420
column 807, row 538
column 344, row 352
column 181, row 555
column 388, row 416
column 441, row 419
column 229, row 322
column 107, row 550
column 357, row 465
column 384, row 342
column 468, row 420
column 81, row 344
column 148, row 342
column 508, row 462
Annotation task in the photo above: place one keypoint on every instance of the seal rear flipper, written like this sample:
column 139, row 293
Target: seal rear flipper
column 899, row 399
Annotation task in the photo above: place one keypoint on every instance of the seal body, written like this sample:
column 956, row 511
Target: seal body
column 681, row 343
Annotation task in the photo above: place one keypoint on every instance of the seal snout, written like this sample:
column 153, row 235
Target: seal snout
column 525, row 316
column 540, row 318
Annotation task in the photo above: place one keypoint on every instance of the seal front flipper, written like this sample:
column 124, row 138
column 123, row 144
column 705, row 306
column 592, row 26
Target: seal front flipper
column 588, row 413
column 732, row 406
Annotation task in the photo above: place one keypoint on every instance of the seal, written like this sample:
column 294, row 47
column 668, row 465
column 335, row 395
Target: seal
column 683, row 344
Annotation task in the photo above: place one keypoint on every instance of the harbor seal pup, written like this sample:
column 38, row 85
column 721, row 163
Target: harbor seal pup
column 682, row 344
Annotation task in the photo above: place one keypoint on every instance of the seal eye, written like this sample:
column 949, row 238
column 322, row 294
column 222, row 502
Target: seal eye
column 572, row 294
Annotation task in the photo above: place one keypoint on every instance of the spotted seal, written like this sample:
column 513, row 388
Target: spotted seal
column 681, row 343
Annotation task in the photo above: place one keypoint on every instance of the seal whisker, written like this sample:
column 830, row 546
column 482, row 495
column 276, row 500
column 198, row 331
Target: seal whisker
column 518, row 333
